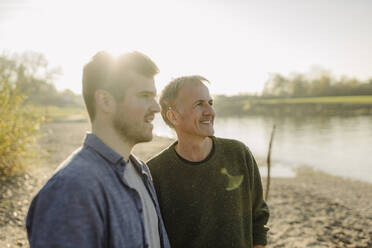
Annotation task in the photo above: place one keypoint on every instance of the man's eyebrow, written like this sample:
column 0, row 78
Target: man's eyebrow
column 204, row 100
column 147, row 92
column 199, row 101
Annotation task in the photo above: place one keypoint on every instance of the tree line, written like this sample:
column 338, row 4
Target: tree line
column 303, row 85
column 309, row 93
column 30, row 74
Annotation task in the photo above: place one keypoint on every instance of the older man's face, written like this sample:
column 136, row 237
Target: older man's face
column 195, row 111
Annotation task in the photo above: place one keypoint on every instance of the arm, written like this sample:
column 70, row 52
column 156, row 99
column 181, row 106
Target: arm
column 260, row 210
column 65, row 214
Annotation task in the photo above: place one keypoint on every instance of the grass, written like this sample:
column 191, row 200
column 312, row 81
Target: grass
column 321, row 100
column 53, row 113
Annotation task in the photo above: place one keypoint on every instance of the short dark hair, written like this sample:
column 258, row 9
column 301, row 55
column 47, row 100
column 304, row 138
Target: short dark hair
column 113, row 75
column 168, row 97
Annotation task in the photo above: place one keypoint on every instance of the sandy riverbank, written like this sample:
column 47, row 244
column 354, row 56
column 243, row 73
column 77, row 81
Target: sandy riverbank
column 310, row 210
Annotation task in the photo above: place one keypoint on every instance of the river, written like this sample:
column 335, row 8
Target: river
column 340, row 146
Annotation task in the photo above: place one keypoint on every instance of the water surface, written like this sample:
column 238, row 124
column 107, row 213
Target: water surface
column 341, row 146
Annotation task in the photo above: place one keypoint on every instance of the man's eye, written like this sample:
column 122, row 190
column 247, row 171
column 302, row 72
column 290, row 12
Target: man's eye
column 147, row 96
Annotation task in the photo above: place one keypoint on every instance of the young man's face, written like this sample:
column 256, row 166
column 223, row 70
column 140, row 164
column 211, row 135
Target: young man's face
column 135, row 113
column 195, row 111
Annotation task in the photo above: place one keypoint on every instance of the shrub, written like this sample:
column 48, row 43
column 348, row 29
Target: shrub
column 19, row 130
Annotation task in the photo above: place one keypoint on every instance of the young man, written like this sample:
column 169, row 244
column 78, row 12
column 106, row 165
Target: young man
column 103, row 196
column 209, row 188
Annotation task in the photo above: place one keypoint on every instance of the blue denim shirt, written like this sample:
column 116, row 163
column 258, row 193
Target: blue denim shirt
column 88, row 204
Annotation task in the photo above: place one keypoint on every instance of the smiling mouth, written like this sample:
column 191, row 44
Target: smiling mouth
column 149, row 118
column 206, row 122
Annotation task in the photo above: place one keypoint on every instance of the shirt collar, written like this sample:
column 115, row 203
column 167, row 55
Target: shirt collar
column 136, row 162
column 101, row 148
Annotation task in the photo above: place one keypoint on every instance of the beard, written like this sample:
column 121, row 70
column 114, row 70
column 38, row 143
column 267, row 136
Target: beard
column 131, row 131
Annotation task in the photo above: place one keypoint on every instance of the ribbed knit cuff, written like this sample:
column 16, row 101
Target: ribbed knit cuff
column 260, row 238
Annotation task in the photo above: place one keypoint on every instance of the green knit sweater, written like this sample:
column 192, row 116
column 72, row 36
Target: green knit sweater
column 215, row 203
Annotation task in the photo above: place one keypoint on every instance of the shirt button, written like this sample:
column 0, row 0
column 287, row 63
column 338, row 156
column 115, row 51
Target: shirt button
column 140, row 210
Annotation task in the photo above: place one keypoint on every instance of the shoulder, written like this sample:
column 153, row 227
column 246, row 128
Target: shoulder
column 234, row 149
column 80, row 173
column 161, row 157
column 229, row 144
column 161, row 163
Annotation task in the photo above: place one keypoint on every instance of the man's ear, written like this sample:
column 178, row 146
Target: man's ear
column 172, row 116
column 105, row 102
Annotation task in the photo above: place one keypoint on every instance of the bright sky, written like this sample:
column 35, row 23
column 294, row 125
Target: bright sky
column 235, row 44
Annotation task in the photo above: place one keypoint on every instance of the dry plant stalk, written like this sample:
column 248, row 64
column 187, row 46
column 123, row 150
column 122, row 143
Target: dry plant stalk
column 269, row 164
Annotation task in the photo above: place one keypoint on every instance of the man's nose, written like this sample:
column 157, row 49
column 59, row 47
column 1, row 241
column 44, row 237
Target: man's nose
column 209, row 110
column 155, row 107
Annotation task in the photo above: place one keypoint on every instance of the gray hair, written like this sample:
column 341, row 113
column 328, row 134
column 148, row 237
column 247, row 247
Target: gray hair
column 168, row 97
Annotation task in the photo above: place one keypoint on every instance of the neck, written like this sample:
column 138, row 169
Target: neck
column 107, row 134
column 194, row 150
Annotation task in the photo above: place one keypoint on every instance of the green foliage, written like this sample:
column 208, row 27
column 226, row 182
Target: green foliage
column 19, row 127
column 317, row 92
column 28, row 97
column 330, row 105
column 31, row 75
column 320, row 100
column 304, row 85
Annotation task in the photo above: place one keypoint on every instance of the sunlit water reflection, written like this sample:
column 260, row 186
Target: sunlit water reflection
column 341, row 146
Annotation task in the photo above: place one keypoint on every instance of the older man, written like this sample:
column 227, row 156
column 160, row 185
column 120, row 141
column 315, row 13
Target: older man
column 103, row 196
column 209, row 188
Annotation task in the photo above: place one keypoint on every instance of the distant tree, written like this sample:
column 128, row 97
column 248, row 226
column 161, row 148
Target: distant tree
column 320, row 83
column 277, row 85
column 31, row 75
column 8, row 69
column 320, row 86
column 298, row 86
